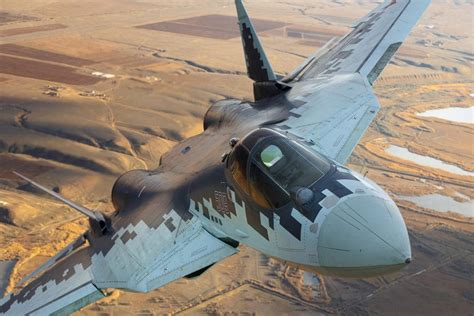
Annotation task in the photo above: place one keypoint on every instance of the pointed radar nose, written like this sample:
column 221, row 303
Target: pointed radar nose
column 363, row 236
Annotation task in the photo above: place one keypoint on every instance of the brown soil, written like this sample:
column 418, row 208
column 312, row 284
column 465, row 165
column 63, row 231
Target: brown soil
column 23, row 51
column 44, row 71
column 31, row 29
column 7, row 17
column 28, row 168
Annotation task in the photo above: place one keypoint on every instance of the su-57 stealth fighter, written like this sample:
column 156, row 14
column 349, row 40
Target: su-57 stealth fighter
column 269, row 174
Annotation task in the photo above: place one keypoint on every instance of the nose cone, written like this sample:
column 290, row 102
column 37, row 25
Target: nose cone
column 363, row 236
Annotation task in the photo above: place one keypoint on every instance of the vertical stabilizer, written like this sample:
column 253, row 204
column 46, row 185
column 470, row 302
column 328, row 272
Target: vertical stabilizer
column 258, row 66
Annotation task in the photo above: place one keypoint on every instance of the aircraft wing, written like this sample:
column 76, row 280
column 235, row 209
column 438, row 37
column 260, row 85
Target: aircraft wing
column 65, row 288
column 332, row 97
column 368, row 48
column 142, row 253
column 334, row 114
column 78, row 279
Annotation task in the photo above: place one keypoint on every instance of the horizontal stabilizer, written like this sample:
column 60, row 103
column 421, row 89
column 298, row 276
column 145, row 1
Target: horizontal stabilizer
column 258, row 66
column 60, row 255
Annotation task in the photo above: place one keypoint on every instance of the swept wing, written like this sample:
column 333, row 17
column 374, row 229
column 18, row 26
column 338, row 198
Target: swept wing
column 332, row 94
column 137, row 255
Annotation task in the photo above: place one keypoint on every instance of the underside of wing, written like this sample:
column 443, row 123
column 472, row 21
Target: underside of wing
column 368, row 48
column 332, row 114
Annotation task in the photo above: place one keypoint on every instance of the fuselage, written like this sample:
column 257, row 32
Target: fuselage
column 350, row 227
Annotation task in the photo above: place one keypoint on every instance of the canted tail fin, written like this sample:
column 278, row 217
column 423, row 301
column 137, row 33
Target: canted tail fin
column 258, row 66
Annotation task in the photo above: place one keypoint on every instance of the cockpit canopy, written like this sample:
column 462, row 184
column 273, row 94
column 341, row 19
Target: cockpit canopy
column 267, row 166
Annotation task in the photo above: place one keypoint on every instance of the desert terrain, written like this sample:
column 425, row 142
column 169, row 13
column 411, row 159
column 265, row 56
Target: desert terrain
column 91, row 89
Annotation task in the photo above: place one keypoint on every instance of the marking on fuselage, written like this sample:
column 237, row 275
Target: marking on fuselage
column 221, row 202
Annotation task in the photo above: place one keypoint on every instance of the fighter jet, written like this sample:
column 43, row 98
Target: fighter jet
column 267, row 174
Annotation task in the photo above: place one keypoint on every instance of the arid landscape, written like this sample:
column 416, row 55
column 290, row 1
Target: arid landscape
column 91, row 89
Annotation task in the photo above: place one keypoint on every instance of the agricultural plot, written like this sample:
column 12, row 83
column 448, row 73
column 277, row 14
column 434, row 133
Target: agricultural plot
column 44, row 71
column 22, row 51
column 31, row 29
column 212, row 26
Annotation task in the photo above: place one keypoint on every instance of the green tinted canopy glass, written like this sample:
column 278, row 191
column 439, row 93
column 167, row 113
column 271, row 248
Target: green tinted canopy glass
column 271, row 155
